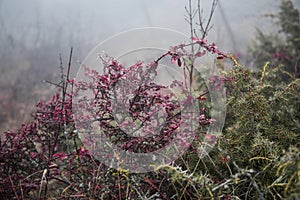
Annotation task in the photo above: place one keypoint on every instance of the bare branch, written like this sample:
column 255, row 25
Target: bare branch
column 205, row 28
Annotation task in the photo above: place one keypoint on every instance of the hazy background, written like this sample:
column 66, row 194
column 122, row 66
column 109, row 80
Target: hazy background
column 34, row 32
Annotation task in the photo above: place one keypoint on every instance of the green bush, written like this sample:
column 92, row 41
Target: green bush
column 283, row 45
column 257, row 156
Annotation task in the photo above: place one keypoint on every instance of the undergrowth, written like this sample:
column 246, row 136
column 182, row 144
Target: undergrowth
column 256, row 157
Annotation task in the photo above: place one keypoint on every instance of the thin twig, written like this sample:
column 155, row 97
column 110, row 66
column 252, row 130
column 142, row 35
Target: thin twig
column 14, row 187
column 69, row 67
column 204, row 29
column 190, row 21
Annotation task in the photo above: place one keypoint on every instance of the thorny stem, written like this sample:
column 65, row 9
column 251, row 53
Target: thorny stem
column 205, row 30
column 162, row 56
column 14, row 188
column 65, row 81
column 190, row 21
column 192, row 47
column 69, row 67
column 119, row 187
column 63, row 85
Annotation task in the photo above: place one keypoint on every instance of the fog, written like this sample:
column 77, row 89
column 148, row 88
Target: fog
column 83, row 24
column 34, row 32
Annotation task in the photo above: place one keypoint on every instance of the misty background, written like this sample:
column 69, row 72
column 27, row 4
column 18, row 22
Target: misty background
column 34, row 32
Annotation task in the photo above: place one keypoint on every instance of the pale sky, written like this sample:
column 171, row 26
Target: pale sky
column 84, row 24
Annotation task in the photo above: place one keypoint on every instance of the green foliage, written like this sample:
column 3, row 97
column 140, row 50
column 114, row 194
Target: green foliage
column 258, row 156
column 283, row 46
column 263, row 124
